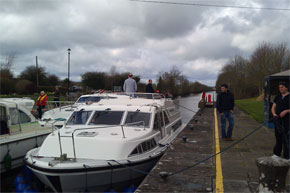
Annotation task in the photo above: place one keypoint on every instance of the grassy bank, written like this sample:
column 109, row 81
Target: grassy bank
column 252, row 107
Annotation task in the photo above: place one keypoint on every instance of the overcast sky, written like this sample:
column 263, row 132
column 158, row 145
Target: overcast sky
column 143, row 38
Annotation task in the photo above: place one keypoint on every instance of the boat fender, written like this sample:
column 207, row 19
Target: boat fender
column 28, row 174
column 161, row 145
column 19, row 179
column 29, row 191
column 7, row 161
column 131, row 189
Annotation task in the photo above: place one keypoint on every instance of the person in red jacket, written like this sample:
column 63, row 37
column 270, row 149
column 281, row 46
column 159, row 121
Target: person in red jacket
column 41, row 103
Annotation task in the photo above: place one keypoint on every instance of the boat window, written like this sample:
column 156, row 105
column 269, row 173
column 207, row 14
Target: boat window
column 14, row 116
column 24, row 118
column 166, row 120
column 161, row 119
column 89, row 99
column 157, row 124
column 144, row 147
column 135, row 117
column 176, row 125
column 93, row 99
column 107, row 118
column 79, row 117
column 3, row 121
column 3, row 116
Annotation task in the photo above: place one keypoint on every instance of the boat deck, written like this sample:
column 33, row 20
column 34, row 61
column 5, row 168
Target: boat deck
column 27, row 130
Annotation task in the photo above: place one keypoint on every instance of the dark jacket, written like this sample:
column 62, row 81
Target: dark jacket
column 225, row 102
column 149, row 88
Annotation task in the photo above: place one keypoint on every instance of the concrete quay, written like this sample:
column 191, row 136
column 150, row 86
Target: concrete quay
column 234, row 171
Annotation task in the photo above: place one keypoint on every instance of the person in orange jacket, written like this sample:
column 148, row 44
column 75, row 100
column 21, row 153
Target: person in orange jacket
column 41, row 103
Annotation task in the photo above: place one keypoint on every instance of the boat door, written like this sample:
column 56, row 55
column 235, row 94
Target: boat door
column 13, row 118
column 4, row 128
column 159, row 124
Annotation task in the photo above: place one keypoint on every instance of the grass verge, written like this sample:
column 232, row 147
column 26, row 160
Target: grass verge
column 252, row 107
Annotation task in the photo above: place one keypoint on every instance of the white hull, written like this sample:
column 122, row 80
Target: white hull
column 93, row 179
column 82, row 155
column 18, row 147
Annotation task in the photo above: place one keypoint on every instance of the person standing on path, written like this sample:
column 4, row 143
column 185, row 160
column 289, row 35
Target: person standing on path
column 225, row 106
column 130, row 85
column 41, row 103
column 281, row 114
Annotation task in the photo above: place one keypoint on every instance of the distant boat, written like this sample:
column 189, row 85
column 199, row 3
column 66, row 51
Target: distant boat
column 102, row 144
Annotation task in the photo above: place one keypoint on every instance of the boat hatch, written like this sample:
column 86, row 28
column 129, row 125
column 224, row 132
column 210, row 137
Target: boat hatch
column 87, row 134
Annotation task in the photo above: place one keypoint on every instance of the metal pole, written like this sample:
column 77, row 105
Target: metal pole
column 68, row 70
column 123, row 131
column 37, row 81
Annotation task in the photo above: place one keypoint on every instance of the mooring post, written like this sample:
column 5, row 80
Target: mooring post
column 273, row 173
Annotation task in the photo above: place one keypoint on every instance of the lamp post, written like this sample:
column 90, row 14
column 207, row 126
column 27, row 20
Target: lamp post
column 68, row 69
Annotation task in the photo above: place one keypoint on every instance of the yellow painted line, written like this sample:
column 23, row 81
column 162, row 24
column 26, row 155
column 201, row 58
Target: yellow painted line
column 219, row 174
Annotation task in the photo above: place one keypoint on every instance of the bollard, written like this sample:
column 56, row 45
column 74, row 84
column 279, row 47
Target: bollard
column 184, row 139
column 209, row 98
column 273, row 172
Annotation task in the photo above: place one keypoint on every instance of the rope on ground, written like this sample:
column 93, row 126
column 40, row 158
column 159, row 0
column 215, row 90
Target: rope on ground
column 222, row 151
column 186, row 108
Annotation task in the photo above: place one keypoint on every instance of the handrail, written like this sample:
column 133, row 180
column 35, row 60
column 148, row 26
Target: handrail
column 135, row 123
column 142, row 95
column 73, row 138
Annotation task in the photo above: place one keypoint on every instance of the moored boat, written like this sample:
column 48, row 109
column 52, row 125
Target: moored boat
column 19, row 131
column 101, row 144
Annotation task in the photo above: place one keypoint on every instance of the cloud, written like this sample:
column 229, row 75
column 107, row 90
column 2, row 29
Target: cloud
column 142, row 38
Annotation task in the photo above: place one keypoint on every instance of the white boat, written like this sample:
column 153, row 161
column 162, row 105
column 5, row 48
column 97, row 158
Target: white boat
column 19, row 131
column 58, row 115
column 106, row 143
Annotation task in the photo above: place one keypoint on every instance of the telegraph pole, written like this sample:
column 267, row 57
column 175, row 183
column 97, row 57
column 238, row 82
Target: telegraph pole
column 36, row 62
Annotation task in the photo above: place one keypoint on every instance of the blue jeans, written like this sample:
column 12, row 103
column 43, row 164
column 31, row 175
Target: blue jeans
column 227, row 115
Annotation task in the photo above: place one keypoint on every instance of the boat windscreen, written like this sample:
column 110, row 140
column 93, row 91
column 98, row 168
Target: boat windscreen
column 79, row 117
column 89, row 99
column 107, row 118
column 138, row 117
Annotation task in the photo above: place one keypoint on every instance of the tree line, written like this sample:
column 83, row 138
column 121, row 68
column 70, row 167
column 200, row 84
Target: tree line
column 172, row 82
column 175, row 83
column 245, row 76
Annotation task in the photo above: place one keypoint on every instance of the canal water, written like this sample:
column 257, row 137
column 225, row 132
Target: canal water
column 187, row 106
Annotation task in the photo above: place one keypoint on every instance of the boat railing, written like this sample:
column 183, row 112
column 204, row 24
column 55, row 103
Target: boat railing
column 59, row 104
column 91, row 128
column 142, row 95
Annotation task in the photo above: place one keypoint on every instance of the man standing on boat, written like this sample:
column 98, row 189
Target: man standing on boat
column 130, row 85
column 225, row 105
column 41, row 103
column 281, row 114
